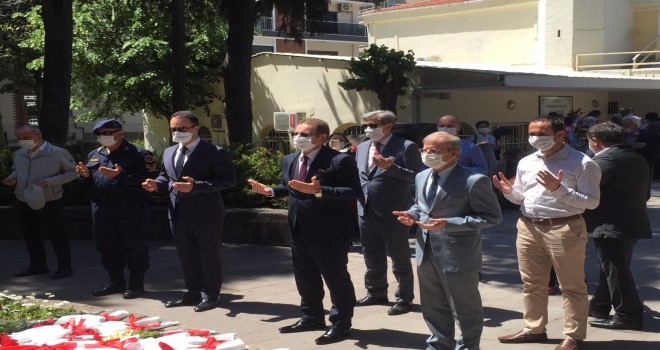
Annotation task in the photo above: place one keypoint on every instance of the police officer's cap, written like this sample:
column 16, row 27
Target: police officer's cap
column 106, row 124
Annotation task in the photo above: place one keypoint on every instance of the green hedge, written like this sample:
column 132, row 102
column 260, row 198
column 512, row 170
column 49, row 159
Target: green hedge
column 257, row 163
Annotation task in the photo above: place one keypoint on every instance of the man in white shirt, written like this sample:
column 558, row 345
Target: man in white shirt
column 553, row 187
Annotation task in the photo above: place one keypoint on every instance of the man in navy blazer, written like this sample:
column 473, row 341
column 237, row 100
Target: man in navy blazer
column 194, row 172
column 387, row 165
column 452, row 205
column 615, row 225
column 321, row 184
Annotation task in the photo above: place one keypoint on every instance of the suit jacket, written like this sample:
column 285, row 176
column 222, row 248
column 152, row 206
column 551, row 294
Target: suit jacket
column 623, row 188
column 328, row 219
column 472, row 158
column 391, row 189
column 652, row 141
column 212, row 171
column 466, row 199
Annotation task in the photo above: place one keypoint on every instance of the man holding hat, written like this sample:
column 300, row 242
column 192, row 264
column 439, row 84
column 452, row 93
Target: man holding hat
column 40, row 169
column 114, row 173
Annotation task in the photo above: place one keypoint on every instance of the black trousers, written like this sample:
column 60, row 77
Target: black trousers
column 120, row 234
column 48, row 221
column 616, row 285
column 199, row 244
column 314, row 262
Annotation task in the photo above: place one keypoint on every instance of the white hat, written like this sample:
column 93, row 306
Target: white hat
column 35, row 197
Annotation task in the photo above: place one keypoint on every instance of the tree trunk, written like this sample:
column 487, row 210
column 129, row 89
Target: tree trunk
column 55, row 103
column 178, row 44
column 388, row 100
column 237, row 69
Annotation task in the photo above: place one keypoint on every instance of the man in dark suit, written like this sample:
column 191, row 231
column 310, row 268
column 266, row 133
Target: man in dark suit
column 643, row 142
column 321, row 184
column 616, row 225
column 452, row 205
column 193, row 174
column 387, row 165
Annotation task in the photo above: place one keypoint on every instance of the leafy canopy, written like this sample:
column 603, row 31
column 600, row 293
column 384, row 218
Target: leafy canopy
column 381, row 70
column 122, row 55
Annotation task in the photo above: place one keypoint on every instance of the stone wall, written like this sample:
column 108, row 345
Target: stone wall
column 249, row 226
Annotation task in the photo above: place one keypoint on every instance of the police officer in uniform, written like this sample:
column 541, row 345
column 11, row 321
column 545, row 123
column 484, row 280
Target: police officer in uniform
column 114, row 173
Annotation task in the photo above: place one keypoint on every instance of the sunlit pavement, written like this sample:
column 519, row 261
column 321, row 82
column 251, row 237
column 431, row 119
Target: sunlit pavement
column 259, row 294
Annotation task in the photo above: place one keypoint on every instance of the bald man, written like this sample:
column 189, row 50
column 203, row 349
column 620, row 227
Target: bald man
column 471, row 156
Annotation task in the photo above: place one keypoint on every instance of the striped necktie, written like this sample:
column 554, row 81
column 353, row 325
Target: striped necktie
column 433, row 190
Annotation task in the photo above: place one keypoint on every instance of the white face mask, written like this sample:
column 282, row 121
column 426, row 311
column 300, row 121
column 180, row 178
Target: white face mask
column 27, row 144
column 337, row 144
column 302, row 143
column 433, row 161
column 374, row 134
column 542, row 143
column 484, row 130
column 627, row 130
column 181, row 137
column 106, row 140
column 450, row 131
column 592, row 148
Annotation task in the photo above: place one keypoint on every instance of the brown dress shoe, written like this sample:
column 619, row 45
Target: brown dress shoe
column 569, row 344
column 524, row 337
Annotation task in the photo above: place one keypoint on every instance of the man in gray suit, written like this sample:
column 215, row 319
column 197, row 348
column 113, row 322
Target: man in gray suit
column 452, row 205
column 387, row 165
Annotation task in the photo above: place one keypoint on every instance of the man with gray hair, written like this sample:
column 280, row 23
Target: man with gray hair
column 40, row 169
column 387, row 165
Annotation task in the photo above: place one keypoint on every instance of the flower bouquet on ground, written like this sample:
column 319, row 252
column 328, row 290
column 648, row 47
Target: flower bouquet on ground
column 116, row 330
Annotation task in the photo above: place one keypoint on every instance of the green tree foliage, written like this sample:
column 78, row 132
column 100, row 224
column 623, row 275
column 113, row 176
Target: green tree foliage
column 381, row 70
column 14, row 29
column 241, row 16
column 122, row 58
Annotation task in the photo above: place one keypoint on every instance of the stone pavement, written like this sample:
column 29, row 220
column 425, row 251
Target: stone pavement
column 259, row 294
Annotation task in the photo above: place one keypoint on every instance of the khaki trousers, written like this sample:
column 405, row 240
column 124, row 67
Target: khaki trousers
column 562, row 246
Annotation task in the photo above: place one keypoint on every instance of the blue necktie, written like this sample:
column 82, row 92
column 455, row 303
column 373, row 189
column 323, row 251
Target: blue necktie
column 180, row 160
column 433, row 189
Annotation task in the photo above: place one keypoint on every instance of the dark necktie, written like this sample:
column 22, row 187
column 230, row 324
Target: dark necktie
column 303, row 169
column 433, row 190
column 377, row 146
column 180, row 160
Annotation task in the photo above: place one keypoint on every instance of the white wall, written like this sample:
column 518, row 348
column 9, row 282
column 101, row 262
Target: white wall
column 500, row 34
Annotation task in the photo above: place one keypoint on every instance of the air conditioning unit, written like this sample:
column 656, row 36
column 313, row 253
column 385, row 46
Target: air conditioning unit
column 285, row 121
column 344, row 7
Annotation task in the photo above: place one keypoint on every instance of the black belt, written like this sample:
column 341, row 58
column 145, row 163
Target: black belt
column 551, row 221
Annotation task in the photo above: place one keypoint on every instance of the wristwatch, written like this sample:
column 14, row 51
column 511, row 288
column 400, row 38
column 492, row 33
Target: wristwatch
column 319, row 194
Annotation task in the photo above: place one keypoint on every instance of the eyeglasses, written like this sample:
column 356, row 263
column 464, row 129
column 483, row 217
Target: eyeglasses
column 182, row 128
column 301, row 134
column 107, row 133
column 434, row 151
column 372, row 126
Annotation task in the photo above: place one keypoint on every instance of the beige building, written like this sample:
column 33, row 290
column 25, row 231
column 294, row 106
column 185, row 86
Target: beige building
column 502, row 60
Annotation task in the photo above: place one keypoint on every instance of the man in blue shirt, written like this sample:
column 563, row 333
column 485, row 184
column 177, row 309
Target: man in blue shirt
column 471, row 156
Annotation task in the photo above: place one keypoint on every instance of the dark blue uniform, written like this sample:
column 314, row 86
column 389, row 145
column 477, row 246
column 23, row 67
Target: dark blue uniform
column 119, row 208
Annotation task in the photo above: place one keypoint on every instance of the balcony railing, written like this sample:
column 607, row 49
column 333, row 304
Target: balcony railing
column 265, row 23
column 322, row 27
column 337, row 28
column 627, row 60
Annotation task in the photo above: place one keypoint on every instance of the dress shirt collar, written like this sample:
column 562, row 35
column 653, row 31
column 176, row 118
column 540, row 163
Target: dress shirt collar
column 382, row 142
column 191, row 146
column 310, row 156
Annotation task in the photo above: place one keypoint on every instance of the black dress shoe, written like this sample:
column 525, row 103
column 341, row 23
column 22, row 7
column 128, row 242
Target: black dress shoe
column 207, row 304
column 613, row 322
column 368, row 300
column 333, row 335
column 31, row 271
column 62, row 273
column 109, row 289
column 400, row 308
column 304, row 325
column 133, row 293
column 187, row 300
